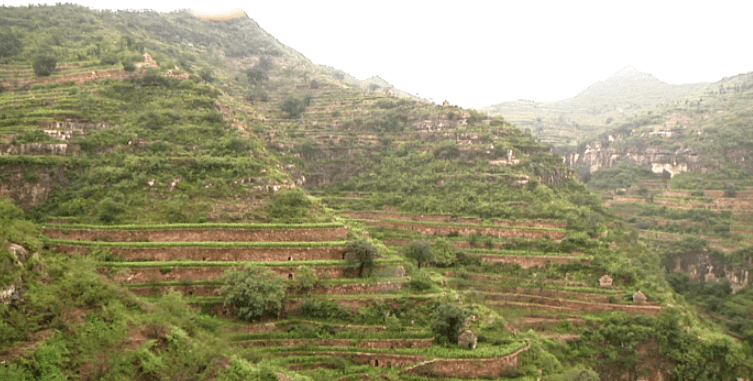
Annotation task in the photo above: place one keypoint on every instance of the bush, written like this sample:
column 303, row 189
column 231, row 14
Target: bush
column 253, row 292
column 324, row 309
column 293, row 106
column 420, row 281
column 290, row 203
column 44, row 65
column 257, row 94
column 359, row 257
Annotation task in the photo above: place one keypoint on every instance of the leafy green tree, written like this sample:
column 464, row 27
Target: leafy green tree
column 253, row 292
column 445, row 253
column 306, row 279
column 44, row 65
column 419, row 251
column 446, row 322
column 10, row 45
column 359, row 256
column 293, row 106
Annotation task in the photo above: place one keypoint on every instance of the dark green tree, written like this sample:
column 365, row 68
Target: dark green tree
column 419, row 251
column 293, row 106
column 44, row 65
column 253, row 292
column 359, row 256
column 446, row 322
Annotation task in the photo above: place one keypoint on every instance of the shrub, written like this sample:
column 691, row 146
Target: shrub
column 420, row 281
column 324, row 309
column 293, row 106
column 359, row 256
column 44, row 65
column 290, row 203
column 257, row 93
column 253, row 292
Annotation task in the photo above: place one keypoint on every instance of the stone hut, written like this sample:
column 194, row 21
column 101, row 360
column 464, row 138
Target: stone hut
column 639, row 298
column 467, row 339
column 605, row 281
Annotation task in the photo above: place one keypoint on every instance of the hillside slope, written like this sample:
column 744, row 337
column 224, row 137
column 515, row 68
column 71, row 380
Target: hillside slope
column 188, row 180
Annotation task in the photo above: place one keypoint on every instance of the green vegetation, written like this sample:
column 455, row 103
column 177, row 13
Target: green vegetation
column 253, row 292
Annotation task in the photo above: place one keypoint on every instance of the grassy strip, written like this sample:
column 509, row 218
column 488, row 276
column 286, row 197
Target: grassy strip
column 521, row 253
column 450, row 224
column 40, row 160
column 482, row 351
column 194, row 244
column 343, row 334
column 324, row 282
column 191, row 263
column 583, row 290
column 324, row 225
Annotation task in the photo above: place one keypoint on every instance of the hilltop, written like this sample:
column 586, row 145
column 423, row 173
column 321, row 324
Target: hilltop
column 566, row 122
column 188, row 198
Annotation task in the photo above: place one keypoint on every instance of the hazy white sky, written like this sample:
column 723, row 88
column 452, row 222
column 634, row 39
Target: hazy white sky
column 477, row 53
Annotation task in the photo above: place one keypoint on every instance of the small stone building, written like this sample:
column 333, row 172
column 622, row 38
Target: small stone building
column 639, row 298
column 605, row 281
column 467, row 339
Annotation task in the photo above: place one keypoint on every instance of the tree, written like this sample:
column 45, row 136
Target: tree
column 293, row 106
column 10, row 45
column 447, row 321
column 253, row 292
column 44, row 65
column 359, row 257
column 419, row 251
column 445, row 253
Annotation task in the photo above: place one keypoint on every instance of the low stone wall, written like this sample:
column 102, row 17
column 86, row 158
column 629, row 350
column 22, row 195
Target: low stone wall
column 469, row 368
column 379, row 360
column 527, row 262
column 214, row 253
column 574, row 305
column 40, row 149
column 176, row 273
column 493, row 290
column 201, row 235
column 466, row 231
column 381, row 344
column 293, row 305
column 214, row 290
column 459, row 220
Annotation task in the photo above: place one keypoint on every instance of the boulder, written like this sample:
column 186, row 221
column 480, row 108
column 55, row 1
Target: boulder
column 467, row 339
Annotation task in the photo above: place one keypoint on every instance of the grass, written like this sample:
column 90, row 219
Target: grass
column 194, row 244
column 259, row 226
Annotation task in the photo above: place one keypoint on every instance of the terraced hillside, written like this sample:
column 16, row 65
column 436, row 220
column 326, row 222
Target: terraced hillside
column 205, row 203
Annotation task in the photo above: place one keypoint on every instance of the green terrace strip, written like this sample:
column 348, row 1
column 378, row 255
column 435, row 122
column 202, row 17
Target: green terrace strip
column 589, row 290
column 482, row 351
column 396, row 295
column 191, row 263
column 43, row 160
column 194, row 244
column 323, row 282
column 343, row 334
column 521, row 253
column 277, row 226
column 464, row 225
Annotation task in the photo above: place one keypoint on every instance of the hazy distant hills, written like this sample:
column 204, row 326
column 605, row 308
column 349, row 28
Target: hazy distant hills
column 374, row 83
column 564, row 122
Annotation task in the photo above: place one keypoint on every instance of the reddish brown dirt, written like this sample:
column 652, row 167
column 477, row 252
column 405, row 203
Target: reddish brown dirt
column 215, row 253
column 200, row 235
column 24, row 347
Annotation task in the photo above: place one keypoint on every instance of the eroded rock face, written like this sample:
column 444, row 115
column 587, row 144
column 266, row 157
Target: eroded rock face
column 44, row 149
column 30, row 187
column 596, row 157
column 702, row 267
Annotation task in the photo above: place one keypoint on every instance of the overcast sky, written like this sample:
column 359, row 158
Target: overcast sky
column 477, row 53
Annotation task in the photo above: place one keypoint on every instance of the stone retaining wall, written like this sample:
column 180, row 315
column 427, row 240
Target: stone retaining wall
column 201, row 235
column 459, row 220
column 466, row 231
column 526, row 262
column 582, row 296
column 214, row 290
column 381, row 344
column 470, row 368
column 214, row 253
column 176, row 273
column 574, row 305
